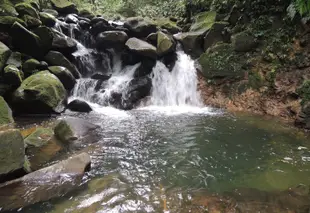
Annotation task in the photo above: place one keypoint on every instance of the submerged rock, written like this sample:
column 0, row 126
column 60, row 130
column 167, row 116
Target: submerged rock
column 141, row 47
column 5, row 113
column 79, row 106
column 40, row 93
column 64, row 75
column 42, row 185
column 12, row 152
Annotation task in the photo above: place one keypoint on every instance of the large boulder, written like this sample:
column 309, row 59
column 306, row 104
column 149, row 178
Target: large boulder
column 47, row 183
column 141, row 47
column 64, row 6
column 64, row 132
column 5, row 113
column 12, row 153
column 31, row 66
column 64, row 75
column 203, row 21
column 51, row 12
column 26, row 9
column 7, row 8
column 86, row 14
column 111, row 39
column 46, row 38
column 145, row 67
column 5, row 53
column 100, row 26
column 13, row 75
column 139, row 27
column 47, row 19
column 165, row 44
column 243, row 42
column 215, row 34
column 192, row 42
column 6, row 22
column 168, row 25
column 26, row 41
column 40, row 93
column 55, row 58
column 79, row 106
column 63, row 44
column 39, row 137
column 221, row 61
column 31, row 22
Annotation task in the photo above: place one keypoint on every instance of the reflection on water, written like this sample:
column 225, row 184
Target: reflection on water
column 161, row 161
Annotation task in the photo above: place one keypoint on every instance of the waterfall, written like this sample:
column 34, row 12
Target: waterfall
column 178, row 87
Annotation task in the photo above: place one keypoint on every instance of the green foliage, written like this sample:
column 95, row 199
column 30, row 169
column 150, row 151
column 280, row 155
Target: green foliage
column 303, row 6
column 304, row 91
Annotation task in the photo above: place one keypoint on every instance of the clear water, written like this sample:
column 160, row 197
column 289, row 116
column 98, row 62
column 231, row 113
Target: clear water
column 153, row 160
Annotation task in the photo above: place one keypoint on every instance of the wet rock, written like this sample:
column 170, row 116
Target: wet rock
column 31, row 66
column 111, row 39
column 152, row 39
column 63, row 44
column 64, row 6
column 95, row 20
column 141, row 47
column 64, row 132
column 12, row 153
column 55, row 58
column 99, row 76
column 71, row 19
column 79, row 106
column 165, row 44
column 100, row 27
column 13, row 75
column 6, row 22
column 215, row 34
column 51, row 12
column 5, row 113
column 192, row 42
column 168, row 25
column 243, row 42
column 84, row 24
column 15, row 59
column 86, row 14
column 31, row 22
column 43, row 65
column 42, row 185
column 64, row 75
column 80, row 127
column 46, row 38
column 203, row 21
column 40, row 93
column 5, row 53
column 47, row 19
column 145, row 68
column 30, row 44
column 169, row 60
column 139, row 27
column 26, row 9
column 7, row 8
column 39, row 137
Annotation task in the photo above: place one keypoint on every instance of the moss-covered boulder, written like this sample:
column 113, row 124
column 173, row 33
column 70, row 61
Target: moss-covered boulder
column 141, row 47
column 26, row 9
column 55, row 58
column 5, row 53
column 46, row 38
column 6, row 22
column 31, row 22
column 64, row 6
column 64, row 132
column 111, row 39
column 216, row 34
column 47, row 19
column 13, row 75
column 86, row 14
column 7, row 8
column 51, row 11
column 5, row 113
column 12, row 152
column 139, row 27
column 31, row 66
column 243, row 42
column 168, row 25
column 165, row 44
column 26, row 41
column 221, row 61
column 63, row 44
column 39, row 137
column 40, row 93
column 64, row 75
column 15, row 59
column 192, row 42
column 203, row 21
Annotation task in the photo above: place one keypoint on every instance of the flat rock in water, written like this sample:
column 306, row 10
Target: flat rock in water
column 45, row 184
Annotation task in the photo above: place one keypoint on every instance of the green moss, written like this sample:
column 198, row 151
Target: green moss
column 164, row 44
column 304, row 91
column 7, row 21
column 255, row 80
column 47, row 19
column 7, row 8
column 26, row 9
column 204, row 21
column 39, row 137
column 64, row 132
column 31, row 66
column 31, row 21
column 169, row 25
column 5, row 113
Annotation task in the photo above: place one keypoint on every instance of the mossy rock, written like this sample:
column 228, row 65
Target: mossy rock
column 48, row 19
column 31, row 22
column 141, row 47
column 31, row 66
column 64, row 132
column 192, row 42
column 39, row 137
column 165, row 44
column 13, row 75
column 12, row 151
column 7, row 8
column 5, row 53
column 140, row 27
column 243, row 42
column 5, row 113
column 304, row 91
column 204, row 21
column 215, row 34
column 51, row 12
column 168, row 25
column 26, row 9
column 40, row 93
column 64, row 6
column 6, row 22
column 86, row 14
column 15, row 59
column 46, row 38
column 221, row 61
column 64, row 75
